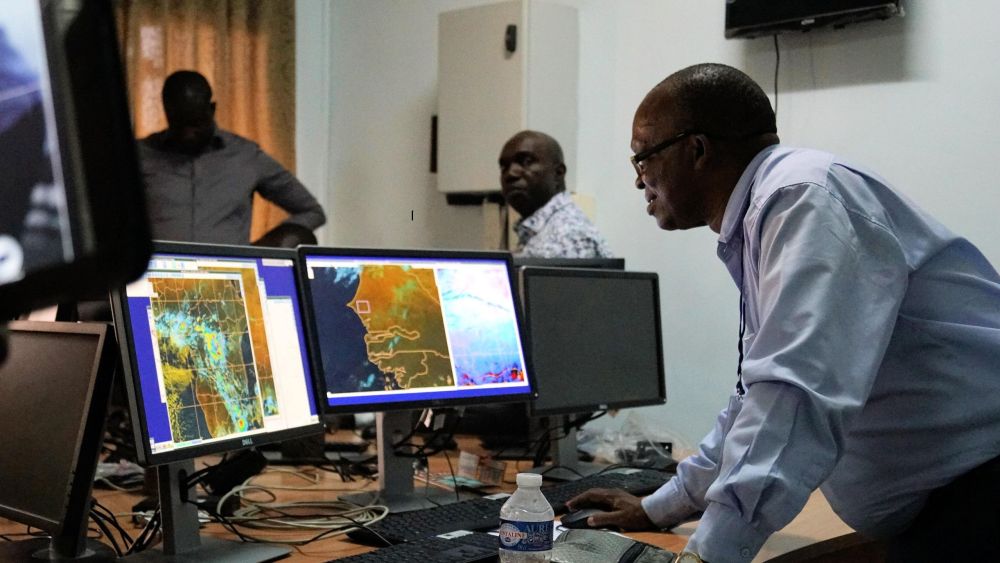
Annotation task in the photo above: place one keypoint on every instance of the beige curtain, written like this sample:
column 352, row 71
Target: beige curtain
column 246, row 50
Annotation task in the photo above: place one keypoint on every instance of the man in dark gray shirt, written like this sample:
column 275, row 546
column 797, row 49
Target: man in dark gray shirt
column 200, row 179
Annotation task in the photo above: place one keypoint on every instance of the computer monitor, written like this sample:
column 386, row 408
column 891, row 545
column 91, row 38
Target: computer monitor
column 521, row 437
column 72, row 222
column 216, row 359
column 596, row 263
column 54, row 390
column 596, row 344
column 400, row 329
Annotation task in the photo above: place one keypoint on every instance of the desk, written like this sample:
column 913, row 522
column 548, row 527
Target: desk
column 815, row 523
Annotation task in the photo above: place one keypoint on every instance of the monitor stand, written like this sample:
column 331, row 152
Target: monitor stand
column 56, row 549
column 566, row 464
column 182, row 543
column 395, row 474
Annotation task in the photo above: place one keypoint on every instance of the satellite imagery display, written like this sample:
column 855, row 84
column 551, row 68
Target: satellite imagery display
column 208, row 333
column 479, row 313
column 397, row 327
column 382, row 328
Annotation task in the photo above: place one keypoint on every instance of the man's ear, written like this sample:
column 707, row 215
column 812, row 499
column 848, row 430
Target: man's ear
column 703, row 151
column 560, row 170
column 211, row 109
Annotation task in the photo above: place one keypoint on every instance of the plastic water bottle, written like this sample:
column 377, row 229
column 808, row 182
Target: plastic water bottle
column 526, row 521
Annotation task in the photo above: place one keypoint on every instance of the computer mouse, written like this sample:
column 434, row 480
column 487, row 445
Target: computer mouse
column 578, row 518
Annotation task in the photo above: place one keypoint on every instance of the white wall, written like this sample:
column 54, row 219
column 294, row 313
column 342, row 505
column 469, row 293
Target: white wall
column 913, row 98
column 382, row 65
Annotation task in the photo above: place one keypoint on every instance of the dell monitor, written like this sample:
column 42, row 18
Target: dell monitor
column 54, row 392
column 72, row 222
column 399, row 330
column 596, row 344
column 215, row 357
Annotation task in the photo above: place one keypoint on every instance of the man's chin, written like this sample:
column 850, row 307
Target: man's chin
column 665, row 222
column 518, row 202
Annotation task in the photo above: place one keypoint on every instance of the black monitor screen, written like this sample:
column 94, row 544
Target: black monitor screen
column 49, row 388
column 216, row 347
column 398, row 329
column 754, row 18
column 595, row 339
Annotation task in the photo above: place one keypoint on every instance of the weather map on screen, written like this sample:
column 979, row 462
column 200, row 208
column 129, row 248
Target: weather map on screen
column 478, row 306
column 207, row 352
column 220, row 348
column 414, row 328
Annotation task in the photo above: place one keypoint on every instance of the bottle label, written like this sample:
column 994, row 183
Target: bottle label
column 525, row 536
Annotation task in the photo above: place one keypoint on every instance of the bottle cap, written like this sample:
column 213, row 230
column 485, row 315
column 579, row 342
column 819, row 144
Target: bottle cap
column 529, row 480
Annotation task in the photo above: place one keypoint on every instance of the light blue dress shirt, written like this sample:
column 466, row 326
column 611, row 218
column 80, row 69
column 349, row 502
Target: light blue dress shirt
column 872, row 359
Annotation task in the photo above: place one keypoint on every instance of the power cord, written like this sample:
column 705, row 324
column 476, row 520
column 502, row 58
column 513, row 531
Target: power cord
column 332, row 517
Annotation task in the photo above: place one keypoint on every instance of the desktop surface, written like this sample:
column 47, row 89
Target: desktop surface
column 815, row 524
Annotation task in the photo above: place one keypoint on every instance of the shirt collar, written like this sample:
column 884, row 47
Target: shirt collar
column 730, row 248
column 739, row 200
column 533, row 223
column 161, row 140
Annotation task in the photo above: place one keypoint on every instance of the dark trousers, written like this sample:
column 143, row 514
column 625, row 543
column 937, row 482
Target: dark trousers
column 960, row 522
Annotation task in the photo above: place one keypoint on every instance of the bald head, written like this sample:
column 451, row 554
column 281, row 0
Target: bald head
column 543, row 141
column 187, row 102
column 715, row 99
column 694, row 134
column 531, row 171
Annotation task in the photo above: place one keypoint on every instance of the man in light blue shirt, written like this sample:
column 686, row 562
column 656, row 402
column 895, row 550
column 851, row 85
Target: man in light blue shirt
column 870, row 341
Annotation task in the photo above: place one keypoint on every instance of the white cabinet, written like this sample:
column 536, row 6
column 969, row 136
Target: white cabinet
column 486, row 92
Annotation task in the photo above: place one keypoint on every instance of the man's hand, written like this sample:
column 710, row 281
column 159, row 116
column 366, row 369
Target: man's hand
column 623, row 510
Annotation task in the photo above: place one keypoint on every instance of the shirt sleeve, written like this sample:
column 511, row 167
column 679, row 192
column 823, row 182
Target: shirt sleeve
column 281, row 187
column 830, row 283
column 683, row 497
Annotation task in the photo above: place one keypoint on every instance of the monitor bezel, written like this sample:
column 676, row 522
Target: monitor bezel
column 110, row 231
column 579, row 263
column 123, row 327
column 529, row 272
column 375, row 406
column 89, row 439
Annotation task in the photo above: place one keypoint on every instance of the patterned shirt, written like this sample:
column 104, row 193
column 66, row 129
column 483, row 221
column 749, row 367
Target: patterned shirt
column 559, row 230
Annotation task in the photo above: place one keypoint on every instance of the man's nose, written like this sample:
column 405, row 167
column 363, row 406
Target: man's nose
column 512, row 172
column 639, row 183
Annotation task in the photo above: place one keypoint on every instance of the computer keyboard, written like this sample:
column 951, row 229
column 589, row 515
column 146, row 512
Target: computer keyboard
column 458, row 547
column 636, row 481
column 473, row 515
column 484, row 513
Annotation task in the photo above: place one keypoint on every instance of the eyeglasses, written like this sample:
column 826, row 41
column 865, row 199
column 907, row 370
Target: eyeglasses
column 643, row 155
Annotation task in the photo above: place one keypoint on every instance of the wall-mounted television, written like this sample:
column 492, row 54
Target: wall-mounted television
column 754, row 18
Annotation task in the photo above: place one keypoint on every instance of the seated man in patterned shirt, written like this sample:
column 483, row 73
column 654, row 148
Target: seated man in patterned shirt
column 533, row 182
